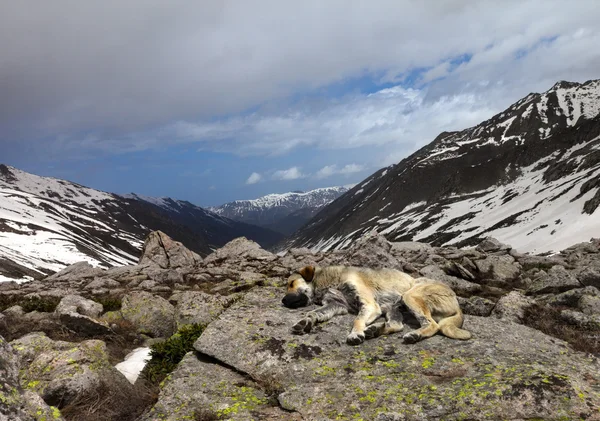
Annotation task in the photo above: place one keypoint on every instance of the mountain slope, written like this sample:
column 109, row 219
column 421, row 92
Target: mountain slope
column 529, row 176
column 285, row 212
column 46, row 224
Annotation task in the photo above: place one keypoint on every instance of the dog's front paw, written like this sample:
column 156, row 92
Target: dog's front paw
column 374, row 330
column 411, row 337
column 355, row 338
column 302, row 327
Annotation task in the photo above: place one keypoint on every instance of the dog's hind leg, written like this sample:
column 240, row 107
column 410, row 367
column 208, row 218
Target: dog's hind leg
column 393, row 322
column 421, row 311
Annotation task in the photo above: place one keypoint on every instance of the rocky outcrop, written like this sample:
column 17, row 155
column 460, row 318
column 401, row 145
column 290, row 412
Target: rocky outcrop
column 248, row 365
column 161, row 250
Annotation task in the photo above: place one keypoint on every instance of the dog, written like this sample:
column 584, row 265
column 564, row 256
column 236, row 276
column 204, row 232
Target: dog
column 369, row 294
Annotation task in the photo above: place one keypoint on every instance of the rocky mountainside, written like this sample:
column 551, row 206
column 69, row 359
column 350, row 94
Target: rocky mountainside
column 534, row 354
column 284, row 213
column 47, row 224
column 529, row 176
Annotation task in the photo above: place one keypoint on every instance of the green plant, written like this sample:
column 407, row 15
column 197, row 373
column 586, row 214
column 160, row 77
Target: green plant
column 45, row 303
column 109, row 302
column 166, row 355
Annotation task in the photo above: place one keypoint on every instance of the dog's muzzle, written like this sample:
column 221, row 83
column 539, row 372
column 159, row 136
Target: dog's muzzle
column 295, row 300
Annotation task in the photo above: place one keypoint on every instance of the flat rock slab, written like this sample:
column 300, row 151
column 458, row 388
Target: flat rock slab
column 507, row 371
column 201, row 390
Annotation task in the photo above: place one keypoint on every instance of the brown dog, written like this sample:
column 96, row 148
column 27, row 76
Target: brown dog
column 370, row 294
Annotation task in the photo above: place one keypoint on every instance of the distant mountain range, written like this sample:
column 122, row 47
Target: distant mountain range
column 529, row 176
column 285, row 212
column 47, row 223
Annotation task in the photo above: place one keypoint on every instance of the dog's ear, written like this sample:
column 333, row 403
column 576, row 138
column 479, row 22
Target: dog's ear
column 307, row 272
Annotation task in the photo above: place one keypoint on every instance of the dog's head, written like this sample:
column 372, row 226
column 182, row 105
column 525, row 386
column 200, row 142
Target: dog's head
column 300, row 288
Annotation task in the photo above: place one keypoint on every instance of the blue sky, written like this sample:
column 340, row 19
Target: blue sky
column 212, row 102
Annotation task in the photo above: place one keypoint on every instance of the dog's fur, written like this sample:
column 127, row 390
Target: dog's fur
column 370, row 294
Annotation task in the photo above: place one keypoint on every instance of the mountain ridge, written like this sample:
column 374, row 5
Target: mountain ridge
column 536, row 142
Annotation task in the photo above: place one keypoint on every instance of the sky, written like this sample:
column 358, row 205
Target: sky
column 213, row 101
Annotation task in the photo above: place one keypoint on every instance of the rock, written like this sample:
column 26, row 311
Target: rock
column 147, row 284
column 411, row 247
column 61, row 372
column 199, row 307
column 76, row 271
column 570, row 298
column 161, row 250
column 78, row 304
column 590, row 276
column 460, row 286
column 239, row 249
column 589, row 304
column 507, row 371
column 84, row 325
column 498, row 270
column 14, row 311
column 16, row 404
column 150, row 314
column 103, row 283
column 476, row 306
column 512, row 307
column 490, row 245
column 205, row 390
column 581, row 320
column 372, row 251
column 557, row 279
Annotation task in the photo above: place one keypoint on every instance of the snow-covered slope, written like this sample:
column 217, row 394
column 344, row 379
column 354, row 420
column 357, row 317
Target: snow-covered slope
column 47, row 223
column 283, row 212
column 529, row 176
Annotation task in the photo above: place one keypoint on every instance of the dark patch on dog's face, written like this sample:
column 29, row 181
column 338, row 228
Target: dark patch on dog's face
column 299, row 292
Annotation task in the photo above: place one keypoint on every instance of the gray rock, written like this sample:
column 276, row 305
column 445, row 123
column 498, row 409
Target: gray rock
column 199, row 307
column 589, row 304
column 512, row 307
column 569, row 298
column 556, row 280
column 103, row 283
column 476, row 306
column 490, row 245
column 507, row 371
column 61, row 372
column 372, row 251
column 78, row 304
column 460, row 286
column 239, row 249
column 590, row 276
column 15, row 403
column 499, row 270
column 76, row 271
column 204, row 390
column 149, row 313
column 14, row 311
column 581, row 320
column 403, row 247
column 84, row 325
column 161, row 250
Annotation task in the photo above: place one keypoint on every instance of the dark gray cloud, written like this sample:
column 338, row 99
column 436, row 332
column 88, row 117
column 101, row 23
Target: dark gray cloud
column 129, row 75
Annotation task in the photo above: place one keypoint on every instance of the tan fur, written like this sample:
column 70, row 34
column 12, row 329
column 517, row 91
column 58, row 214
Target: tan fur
column 378, row 292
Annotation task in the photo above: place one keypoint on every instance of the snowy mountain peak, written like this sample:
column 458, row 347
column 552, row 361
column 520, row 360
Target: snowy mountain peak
column 283, row 212
column 529, row 176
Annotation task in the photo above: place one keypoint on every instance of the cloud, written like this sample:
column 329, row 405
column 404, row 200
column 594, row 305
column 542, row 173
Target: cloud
column 330, row 170
column 91, row 70
column 289, row 174
column 254, row 178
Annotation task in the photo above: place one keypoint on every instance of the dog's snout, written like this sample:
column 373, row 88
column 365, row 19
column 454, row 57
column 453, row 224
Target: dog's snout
column 295, row 300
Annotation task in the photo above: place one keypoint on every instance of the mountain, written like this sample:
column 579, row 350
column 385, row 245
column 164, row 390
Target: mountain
column 284, row 213
column 529, row 176
column 47, row 223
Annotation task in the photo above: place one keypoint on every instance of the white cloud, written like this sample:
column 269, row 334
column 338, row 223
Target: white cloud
column 289, row 174
column 254, row 178
column 330, row 170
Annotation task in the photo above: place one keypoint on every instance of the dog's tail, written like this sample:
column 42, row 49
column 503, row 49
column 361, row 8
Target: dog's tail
column 451, row 327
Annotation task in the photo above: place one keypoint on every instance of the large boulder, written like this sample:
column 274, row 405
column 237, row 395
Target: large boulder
column 76, row 272
column 16, row 403
column 151, row 314
column 161, row 250
column 506, row 371
column 79, row 314
column 78, row 304
column 498, row 270
column 512, row 307
column 372, row 251
column 63, row 372
column 239, row 249
column 556, row 280
column 199, row 307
